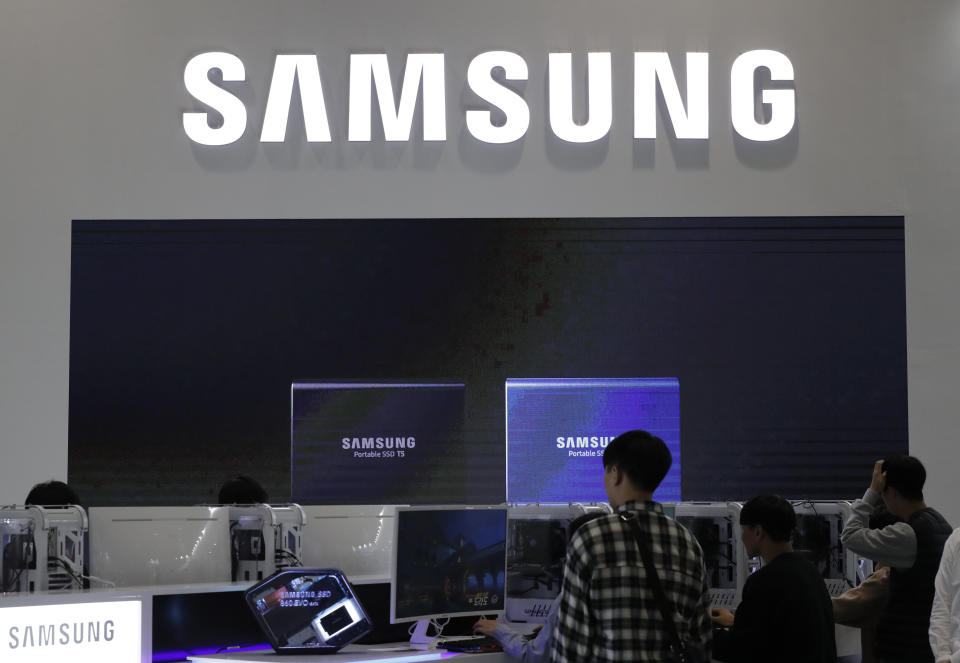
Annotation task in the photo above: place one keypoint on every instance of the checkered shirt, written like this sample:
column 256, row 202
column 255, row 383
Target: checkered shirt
column 608, row 611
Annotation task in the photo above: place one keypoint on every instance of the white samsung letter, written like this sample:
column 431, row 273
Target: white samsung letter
column 511, row 103
column 742, row 109
column 304, row 69
column 599, row 98
column 650, row 67
column 397, row 118
column 196, row 78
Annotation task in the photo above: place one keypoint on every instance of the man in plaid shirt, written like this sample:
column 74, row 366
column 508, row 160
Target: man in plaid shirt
column 608, row 611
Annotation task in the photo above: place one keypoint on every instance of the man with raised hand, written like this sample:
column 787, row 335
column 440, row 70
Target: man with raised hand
column 912, row 549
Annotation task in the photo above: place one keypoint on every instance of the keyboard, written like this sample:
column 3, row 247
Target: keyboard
column 481, row 644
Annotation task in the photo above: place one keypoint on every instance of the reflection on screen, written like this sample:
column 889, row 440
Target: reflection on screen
column 449, row 562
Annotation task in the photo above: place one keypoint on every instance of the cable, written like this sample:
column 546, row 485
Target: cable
column 288, row 556
column 79, row 577
column 13, row 583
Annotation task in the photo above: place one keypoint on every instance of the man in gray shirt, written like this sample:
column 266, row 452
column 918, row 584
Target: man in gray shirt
column 911, row 548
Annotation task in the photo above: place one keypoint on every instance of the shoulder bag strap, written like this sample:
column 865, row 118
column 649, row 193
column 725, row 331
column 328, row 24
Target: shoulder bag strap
column 654, row 580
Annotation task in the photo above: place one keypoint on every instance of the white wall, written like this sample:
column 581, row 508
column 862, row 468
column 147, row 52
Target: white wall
column 931, row 166
column 91, row 104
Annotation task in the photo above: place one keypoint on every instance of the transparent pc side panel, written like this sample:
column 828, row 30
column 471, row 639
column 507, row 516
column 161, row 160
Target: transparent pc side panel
column 356, row 539
column 144, row 546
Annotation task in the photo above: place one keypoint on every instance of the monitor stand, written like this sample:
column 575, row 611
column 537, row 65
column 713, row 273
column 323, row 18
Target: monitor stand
column 419, row 639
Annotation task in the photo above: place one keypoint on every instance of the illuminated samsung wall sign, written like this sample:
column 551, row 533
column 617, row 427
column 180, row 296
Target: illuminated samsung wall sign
column 424, row 78
column 90, row 632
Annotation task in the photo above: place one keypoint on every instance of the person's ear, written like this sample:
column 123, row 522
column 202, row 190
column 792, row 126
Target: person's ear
column 618, row 476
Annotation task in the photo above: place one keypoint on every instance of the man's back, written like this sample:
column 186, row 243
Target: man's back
column 608, row 611
column 785, row 615
column 903, row 630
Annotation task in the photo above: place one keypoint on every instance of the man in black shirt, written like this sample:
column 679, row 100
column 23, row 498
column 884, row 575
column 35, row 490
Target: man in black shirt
column 785, row 613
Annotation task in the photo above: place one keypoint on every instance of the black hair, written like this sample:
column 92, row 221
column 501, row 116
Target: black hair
column 906, row 474
column 773, row 513
column 644, row 458
column 242, row 490
column 51, row 493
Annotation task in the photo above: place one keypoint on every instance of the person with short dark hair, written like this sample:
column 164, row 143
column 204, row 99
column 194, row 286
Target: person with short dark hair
column 51, row 493
column 784, row 613
column 519, row 645
column 912, row 549
column 242, row 490
column 608, row 611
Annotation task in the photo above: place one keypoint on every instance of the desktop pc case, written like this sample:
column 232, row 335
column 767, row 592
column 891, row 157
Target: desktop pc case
column 308, row 611
column 42, row 548
column 716, row 526
column 537, row 536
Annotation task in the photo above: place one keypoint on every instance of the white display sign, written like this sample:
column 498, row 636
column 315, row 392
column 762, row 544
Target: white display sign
column 425, row 77
column 91, row 632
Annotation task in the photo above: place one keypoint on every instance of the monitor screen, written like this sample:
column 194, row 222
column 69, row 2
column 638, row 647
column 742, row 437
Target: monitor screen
column 448, row 562
column 557, row 430
column 383, row 443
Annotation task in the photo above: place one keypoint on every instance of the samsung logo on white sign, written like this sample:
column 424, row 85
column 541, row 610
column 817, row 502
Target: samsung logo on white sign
column 75, row 632
column 425, row 78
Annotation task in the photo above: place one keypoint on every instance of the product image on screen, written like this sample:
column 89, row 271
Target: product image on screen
column 448, row 562
column 380, row 443
column 308, row 611
column 557, row 430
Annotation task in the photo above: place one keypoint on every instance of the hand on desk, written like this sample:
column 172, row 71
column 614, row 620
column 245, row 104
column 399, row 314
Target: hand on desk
column 721, row 616
column 485, row 626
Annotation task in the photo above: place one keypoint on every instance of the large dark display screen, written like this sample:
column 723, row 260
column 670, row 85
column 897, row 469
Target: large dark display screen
column 382, row 443
column 787, row 337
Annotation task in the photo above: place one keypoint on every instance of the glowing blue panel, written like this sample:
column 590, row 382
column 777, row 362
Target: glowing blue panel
column 557, row 430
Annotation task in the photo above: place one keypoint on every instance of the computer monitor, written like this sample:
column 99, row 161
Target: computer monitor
column 447, row 562
column 386, row 443
column 557, row 430
column 144, row 546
